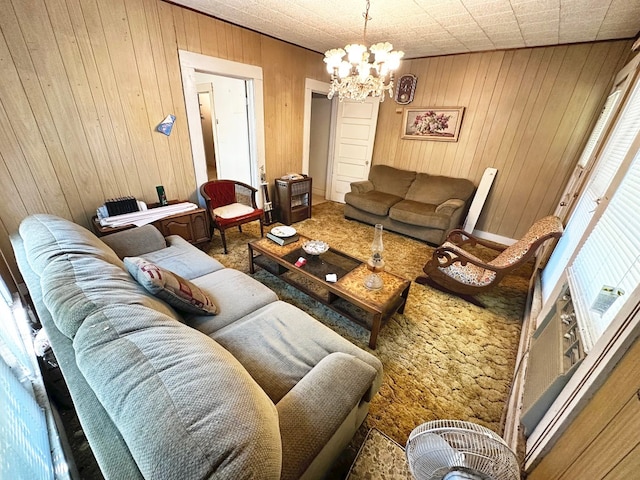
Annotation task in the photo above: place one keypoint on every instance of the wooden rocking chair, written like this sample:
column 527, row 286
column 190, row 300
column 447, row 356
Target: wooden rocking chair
column 454, row 270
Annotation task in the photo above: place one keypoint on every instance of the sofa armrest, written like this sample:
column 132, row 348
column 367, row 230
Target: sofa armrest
column 363, row 186
column 450, row 206
column 135, row 241
column 311, row 412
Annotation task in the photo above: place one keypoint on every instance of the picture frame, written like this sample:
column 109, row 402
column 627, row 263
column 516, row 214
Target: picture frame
column 440, row 124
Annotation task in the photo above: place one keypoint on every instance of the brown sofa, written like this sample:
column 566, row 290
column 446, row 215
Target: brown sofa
column 419, row 205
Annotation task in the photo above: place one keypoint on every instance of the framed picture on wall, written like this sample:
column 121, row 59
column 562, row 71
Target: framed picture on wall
column 432, row 123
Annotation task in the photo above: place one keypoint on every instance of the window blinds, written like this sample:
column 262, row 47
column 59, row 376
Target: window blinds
column 610, row 257
column 609, row 160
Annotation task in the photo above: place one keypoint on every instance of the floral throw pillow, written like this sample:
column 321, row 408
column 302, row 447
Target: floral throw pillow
column 172, row 288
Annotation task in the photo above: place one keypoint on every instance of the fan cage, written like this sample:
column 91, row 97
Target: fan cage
column 469, row 448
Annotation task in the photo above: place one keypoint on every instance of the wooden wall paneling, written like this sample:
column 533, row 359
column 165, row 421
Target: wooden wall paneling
column 41, row 45
column 627, row 468
column 151, row 93
column 127, row 73
column 595, row 83
column 208, row 36
column 125, row 165
column 13, row 205
column 491, row 221
column 223, row 51
column 560, row 158
column 192, row 30
column 593, row 421
column 81, row 90
column 35, row 143
column 475, row 80
column 251, row 49
column 180, row 132
column 475, row 124
column 180, row 182
column 95, row 84
column 457, row 89
column 236, row 36
column 45, row 55
column 179, row 27
column 610, row 447
column 539, row 169
column 507, row 123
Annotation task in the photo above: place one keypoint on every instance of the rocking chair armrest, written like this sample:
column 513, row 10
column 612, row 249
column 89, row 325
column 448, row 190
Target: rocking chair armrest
column 446, row 256
column 457, row 235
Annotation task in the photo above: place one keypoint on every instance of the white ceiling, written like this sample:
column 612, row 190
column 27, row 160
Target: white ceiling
column 424, row 28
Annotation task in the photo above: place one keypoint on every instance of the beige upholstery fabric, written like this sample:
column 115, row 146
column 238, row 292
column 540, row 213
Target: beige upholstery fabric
column 391, row 180
column 436, row 189
column 374, row 201
column 468, row 274
column 418, row 213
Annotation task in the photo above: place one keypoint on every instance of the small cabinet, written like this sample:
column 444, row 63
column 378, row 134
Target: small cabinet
column 293, row 199
column 192, row 226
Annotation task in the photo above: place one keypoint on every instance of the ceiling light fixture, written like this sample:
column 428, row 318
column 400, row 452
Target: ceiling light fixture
column 356, row 78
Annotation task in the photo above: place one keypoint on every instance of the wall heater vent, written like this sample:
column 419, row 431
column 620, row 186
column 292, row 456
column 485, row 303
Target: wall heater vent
column 556, row 351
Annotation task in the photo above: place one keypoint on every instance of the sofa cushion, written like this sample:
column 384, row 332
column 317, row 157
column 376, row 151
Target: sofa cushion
column 391, row 180
column 435, row 189
column 48, row 236
column 172, row 288
column 183, row 259
column 184, row 405
column 234, row 293
column 418, row 213
column 279, row 344
column 375, row 202
column 135, row 241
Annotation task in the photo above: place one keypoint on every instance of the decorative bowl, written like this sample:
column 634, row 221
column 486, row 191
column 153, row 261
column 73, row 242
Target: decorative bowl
column 315, row 247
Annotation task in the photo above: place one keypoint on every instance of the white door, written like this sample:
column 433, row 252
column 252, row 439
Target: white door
column 355, row 133
column 231, row 129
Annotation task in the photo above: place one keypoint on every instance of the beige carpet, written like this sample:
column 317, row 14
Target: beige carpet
column 443, row 358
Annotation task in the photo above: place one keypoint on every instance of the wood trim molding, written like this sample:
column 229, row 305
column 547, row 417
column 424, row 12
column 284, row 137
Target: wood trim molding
column 189, row 63
column 310, row 86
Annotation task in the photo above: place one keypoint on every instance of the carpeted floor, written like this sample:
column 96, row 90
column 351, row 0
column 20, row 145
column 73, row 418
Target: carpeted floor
column 443, row 358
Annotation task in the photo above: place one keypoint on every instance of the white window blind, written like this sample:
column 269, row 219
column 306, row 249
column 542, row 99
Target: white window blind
column 610, row 256
column 607, row 110
column 608, row 162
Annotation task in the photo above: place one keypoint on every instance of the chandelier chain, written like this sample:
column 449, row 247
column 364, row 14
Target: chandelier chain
column 366, row 16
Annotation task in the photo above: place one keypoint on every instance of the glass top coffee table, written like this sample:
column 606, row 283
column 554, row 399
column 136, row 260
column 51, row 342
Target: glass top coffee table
column 347, row 296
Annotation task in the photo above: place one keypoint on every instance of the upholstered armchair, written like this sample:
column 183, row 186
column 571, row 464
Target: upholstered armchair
column 455, row 270
column 231, row 204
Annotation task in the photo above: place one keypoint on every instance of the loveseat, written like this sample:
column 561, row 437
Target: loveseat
column 258, row 390
column 419, row 205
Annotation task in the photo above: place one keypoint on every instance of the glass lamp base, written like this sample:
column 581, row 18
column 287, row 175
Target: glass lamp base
column 373, row 281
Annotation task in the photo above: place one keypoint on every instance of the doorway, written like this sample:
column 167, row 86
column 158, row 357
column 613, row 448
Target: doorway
column 192, row 65
column 226, row 129
column 318, row 137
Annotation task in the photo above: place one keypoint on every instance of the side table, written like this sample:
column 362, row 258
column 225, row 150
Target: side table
column 193, row 226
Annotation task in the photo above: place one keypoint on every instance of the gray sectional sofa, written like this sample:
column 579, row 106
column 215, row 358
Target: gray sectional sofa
column 258, row 390
column 419, row 205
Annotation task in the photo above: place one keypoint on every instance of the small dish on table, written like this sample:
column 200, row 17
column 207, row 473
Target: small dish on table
column 315, row 247
column 283, row 231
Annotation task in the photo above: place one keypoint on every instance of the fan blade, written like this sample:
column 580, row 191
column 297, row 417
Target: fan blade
column 434, row 452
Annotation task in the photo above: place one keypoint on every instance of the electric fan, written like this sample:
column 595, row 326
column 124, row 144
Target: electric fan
column 457, row 450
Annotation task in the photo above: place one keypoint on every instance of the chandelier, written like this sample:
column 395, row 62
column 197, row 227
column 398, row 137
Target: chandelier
column 356, row 78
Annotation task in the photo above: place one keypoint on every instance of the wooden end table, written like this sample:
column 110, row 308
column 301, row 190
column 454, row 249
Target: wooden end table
column 348, row 296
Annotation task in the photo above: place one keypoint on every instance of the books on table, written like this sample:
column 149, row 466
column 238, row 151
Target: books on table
column 282, row 240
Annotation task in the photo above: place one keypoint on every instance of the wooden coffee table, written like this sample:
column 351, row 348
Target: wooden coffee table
column 347, row 296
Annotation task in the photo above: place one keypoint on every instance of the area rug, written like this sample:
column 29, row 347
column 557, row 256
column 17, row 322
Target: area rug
column 442, row 358
column 379, row 458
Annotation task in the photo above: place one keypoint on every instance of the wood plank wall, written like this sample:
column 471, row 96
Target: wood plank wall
column 527, row 114
column 84, row 83
column 603, row 441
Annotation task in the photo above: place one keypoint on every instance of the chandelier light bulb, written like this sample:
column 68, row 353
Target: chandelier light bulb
column 357, row 78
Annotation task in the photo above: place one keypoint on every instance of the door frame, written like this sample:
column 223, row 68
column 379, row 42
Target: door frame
column 312, row 86
column 191, row 62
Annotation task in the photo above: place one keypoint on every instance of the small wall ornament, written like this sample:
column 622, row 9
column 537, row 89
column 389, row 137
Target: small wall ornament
column 406, row 88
